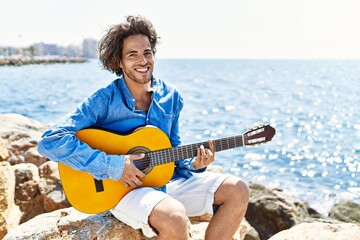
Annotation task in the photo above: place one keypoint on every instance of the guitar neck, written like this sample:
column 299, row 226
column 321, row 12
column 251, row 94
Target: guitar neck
column 187, row 151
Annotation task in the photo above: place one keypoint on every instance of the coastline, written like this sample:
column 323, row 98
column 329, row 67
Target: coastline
column 21, row 60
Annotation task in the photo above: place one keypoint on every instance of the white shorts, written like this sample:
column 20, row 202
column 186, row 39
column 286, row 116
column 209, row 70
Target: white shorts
column 195, row 193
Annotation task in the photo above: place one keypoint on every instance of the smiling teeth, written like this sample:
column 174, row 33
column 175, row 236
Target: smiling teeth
column 142, row 69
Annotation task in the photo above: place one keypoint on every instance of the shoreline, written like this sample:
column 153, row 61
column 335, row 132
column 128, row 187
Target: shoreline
column 20, row 60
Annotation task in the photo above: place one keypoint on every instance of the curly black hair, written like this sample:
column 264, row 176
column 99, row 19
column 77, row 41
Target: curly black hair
column 111, row 45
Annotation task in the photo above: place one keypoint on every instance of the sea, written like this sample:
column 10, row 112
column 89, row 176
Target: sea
column 314, row 105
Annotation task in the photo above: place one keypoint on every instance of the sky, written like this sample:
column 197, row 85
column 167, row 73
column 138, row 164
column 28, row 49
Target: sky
column 234, row 29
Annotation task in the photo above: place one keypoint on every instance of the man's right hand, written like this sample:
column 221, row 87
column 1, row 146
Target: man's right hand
column 131, row 174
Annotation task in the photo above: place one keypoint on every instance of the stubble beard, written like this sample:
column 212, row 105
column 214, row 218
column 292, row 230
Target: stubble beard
column 139, row 80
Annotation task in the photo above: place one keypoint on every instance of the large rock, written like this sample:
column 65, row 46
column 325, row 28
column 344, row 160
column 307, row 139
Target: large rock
column 11, row 124
column 20, row 136
column 320, row 231
column 38, row 190
column 71, row 224
column 9, row 213
column 27, row 194
column 50, row 187
column 271, row 211
column 346, row 211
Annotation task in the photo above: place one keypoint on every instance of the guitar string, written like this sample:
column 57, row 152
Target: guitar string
column 163, row 156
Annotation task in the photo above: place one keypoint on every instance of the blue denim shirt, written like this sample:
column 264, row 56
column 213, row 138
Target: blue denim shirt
column 113, row 108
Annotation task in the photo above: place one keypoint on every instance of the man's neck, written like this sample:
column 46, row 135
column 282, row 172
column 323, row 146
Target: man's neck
column 139, row 91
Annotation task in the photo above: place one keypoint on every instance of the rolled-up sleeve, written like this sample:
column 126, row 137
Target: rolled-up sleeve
column 59, row 143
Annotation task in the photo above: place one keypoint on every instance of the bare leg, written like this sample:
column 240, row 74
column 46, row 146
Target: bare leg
column 232, row 197
column 169, row 218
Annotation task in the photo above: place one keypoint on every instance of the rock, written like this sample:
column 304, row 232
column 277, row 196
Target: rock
column 251, row 233
column 20, row 134
column 25, row 60
column 33, row 156
column 69, row 224
column 11, row 124
column 50, row 187
column 271, row 211
column 27, row 194
column 245, row 231
column 3, row 226
column 346, row 211
column 320, row 231
column 4, row 153
column 9, row 213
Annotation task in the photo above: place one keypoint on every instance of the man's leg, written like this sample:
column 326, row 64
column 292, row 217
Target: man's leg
column 154, row 212
column 232, row 198
column 169, row 219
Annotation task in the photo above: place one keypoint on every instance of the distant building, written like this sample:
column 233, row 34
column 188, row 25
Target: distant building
column 89, row 48
column 72, row 51
column 8, row 51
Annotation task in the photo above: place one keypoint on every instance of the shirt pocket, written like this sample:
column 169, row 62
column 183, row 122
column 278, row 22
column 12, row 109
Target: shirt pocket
column 163, row 121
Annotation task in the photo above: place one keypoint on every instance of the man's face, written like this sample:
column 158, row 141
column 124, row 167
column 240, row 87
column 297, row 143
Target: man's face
column 137, row 60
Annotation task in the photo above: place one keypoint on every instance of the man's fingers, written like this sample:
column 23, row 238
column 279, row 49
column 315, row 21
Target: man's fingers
column 132, row 183
column 137, row 156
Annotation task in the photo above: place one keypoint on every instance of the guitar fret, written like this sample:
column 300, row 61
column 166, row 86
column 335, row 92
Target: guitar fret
column 187, row 149
column 218, row 143
column 173, row 155
column 166, row 156
column 232, row 141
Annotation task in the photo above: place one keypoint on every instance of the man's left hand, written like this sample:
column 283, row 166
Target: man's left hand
column 205, row 156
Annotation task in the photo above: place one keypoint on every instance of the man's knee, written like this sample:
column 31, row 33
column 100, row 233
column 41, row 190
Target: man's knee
column 233, row 189
column 169, row 219
column 243, row 190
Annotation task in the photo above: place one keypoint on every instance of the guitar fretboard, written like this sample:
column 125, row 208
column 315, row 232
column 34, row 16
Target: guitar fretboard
column 187, row 151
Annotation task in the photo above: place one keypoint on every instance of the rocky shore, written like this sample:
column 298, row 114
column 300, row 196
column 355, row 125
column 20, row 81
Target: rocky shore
column 20, row 61
column 33, row 204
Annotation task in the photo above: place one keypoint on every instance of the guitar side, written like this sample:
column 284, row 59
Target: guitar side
column 92, row 196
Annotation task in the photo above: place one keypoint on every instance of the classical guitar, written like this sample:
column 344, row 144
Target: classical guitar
column 89, row 195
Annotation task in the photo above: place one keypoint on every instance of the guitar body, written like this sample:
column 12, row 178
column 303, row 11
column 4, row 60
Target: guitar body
column 93, row 196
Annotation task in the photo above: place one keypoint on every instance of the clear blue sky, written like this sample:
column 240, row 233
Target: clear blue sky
column 197, row 28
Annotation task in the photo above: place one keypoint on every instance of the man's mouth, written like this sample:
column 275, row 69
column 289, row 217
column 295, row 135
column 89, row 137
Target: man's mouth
column 142, row 69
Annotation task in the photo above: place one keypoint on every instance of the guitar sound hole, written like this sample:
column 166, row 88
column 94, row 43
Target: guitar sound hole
column 144, row 163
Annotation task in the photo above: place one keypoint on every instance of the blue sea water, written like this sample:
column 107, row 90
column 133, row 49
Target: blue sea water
column 313, row 104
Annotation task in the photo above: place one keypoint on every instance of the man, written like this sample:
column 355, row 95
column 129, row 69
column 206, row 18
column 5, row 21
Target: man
column 134, row 100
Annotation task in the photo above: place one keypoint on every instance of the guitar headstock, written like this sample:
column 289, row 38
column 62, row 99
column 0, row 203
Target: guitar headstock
column 258, row 134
